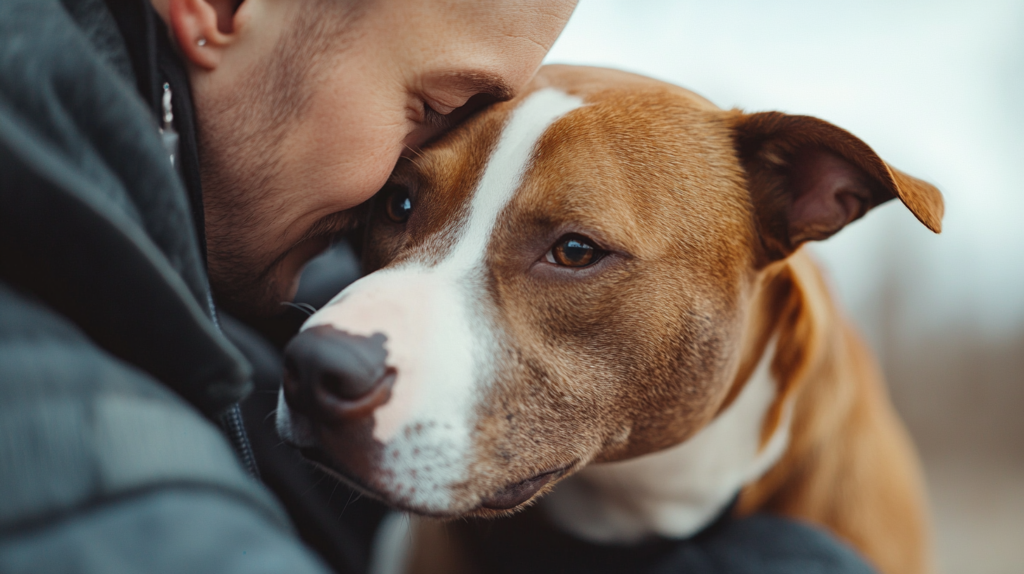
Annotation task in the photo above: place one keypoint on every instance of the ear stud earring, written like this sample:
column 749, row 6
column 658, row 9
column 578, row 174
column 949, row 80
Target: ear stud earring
column 201, row 42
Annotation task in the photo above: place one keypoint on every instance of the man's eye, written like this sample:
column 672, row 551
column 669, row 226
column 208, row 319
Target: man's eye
column 398, row 204
column 575, row 251
column 436, row 118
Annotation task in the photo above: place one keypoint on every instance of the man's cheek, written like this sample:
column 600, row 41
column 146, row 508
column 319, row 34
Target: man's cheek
column 343, row 175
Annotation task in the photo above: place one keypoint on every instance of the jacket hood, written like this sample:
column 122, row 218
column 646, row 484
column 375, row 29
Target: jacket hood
column 94, row 221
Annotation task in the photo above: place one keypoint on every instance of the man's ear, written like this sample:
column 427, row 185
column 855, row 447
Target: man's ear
column 808, row 179
column 203, row 28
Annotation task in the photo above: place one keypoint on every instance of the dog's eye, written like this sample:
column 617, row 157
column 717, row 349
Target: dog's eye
column 574, row 251
column 398, row 204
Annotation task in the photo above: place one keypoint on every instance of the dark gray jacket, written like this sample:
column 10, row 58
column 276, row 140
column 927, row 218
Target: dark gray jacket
column 112, row 368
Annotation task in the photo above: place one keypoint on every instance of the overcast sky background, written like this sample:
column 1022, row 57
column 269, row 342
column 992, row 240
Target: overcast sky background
column 935, row 87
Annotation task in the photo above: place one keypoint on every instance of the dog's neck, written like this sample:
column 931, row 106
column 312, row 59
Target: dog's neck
column 676, row 492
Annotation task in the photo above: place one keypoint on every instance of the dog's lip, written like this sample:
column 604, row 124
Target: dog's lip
column 324, row 461
column 327, row 464
column 518, row 493
column 531, row 486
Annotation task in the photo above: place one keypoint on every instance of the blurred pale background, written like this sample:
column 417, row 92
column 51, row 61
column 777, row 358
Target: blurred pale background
column 937, row 89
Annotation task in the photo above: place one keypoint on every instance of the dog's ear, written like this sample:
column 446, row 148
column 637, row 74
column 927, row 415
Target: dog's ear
column 808, row 179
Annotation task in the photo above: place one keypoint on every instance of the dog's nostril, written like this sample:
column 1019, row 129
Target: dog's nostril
column 337, row 374
column 336, row 386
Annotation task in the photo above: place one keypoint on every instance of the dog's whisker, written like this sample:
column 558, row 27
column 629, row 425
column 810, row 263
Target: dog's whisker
column 415, row 151
column 333, row 491
column 413, row 159
column 304, row 307
column 347, row 502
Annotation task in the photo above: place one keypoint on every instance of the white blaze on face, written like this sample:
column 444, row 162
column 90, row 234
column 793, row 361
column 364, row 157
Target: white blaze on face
column 429, row 341
column 438, row 339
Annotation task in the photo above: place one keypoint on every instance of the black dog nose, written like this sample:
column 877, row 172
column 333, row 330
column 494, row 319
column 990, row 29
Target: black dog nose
column 334, row 373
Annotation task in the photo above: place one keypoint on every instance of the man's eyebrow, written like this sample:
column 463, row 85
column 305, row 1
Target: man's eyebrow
column 480, row 83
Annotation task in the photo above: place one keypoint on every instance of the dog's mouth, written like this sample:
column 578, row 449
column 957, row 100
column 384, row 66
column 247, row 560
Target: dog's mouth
column 508, row 498
column 518, row 493
column 325, row 463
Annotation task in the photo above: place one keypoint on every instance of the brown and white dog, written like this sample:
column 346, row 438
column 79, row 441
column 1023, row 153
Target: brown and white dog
column 598, row 285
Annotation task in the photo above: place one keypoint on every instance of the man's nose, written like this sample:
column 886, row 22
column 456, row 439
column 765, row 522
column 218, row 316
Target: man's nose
column 333, row 375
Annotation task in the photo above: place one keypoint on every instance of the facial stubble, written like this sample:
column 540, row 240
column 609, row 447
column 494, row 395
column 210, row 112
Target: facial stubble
column 241, row 162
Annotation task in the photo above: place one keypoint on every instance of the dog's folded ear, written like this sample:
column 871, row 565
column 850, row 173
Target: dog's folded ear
column 808, row 179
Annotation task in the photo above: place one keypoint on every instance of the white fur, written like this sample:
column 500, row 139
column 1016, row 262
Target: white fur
column 438, row 338
column 678, row 491
column 504, row 173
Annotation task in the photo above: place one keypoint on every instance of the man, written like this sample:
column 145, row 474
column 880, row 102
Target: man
column 286, row 114
column 159, row 163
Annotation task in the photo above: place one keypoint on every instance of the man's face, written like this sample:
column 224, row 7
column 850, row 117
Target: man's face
column 303, row 118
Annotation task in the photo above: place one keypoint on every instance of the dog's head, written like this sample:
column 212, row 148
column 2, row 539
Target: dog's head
column 563, row 280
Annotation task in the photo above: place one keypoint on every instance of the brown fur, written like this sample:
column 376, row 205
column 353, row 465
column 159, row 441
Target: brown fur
column 641, row 351
column 850, row 466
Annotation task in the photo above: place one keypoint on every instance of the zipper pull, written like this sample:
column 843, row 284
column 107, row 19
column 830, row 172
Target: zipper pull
column 167, row 132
